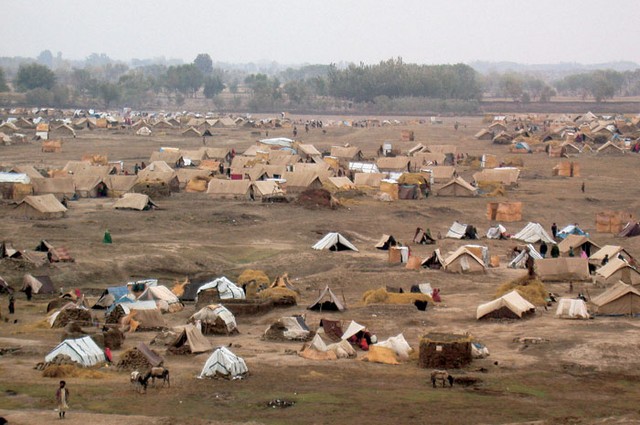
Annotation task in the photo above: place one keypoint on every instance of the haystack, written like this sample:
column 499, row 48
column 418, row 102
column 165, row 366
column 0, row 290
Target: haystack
column 444, row 351
column 281, row 297
column 252, row 281
column 139, row 358
column 382, row 296
column 532, row 290
column 68, row 315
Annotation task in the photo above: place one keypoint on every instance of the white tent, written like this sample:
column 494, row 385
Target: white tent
column 227, row 289
column 352, row 329
column 82, row 350
column 223, row 363
column 456, row 231
column 532, row 233
column 398, row 344
column 521, row 259
column 334, row 242
column 572, row 308
column 496, row 231
column 164, row 298
column 511, row 301
column 211, row 313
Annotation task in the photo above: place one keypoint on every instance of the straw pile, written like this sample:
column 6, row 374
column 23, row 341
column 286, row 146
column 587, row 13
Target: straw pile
column 531, row 290
column 252, row 281
column 381, row 296
column 282, row 297
column 444, row 351
column 133, row 359
column 71, row 371
column 69, row 315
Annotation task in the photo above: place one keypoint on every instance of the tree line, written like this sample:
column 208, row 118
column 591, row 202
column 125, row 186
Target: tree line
column 389, row 86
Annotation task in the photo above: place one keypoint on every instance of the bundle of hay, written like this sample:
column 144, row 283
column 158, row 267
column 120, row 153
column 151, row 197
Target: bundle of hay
column 252, row 281
column 134, row 359
column 444, row 351
column 382, row 296
column 532, row 290
column 113, row 338
column 513, row 162
column 282, row 297
column 68, row 315
column 317, row 198
column 71, row 371
column 60, row 359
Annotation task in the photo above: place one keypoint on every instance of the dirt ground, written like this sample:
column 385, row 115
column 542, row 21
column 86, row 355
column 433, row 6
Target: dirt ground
column 586, row 373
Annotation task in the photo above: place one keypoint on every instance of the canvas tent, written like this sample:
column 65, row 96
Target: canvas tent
column 83, row 351
column 511, row 305
column 215, row 319
column 572, row 308
column 334, row 242
column 398, row 344
column 291, row 328
column 562, row 268
column 463, row 260
column 631, row 229
column 327, row 301
column 618, row 270
column 435, row 261
column 571, row 229
column 110, row 295
column 462, row 231
column 532, row 233
column 423, row 237
column 317, row 349
column 165, row 300
column 38, row 284
column 520, row 261
column 41, row 207
column 497, row 232
column 577, row 243
column 610, row 251
column 385, row 242
column 227, row 290
column 224, row 364
column 134, row 201
column 619, row 300
column 457, row 187
column 505, row 175
column 191, row 339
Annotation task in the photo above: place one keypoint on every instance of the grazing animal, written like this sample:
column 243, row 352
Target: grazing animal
column 141, row 381
column 160, row 373
column 134, row 377
column 443, row 376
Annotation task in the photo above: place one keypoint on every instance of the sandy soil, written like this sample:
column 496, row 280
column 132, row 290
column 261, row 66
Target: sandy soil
column 586, row 373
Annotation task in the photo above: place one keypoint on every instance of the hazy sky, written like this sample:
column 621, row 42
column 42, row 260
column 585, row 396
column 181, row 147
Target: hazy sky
column 325, row 31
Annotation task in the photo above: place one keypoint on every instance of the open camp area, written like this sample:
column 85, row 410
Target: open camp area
column 540, row 368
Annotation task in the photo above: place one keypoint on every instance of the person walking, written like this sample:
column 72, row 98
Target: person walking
column 554, row 230
column 582, row 188
column 12, row 305
column 62, row 397
column 543, row 249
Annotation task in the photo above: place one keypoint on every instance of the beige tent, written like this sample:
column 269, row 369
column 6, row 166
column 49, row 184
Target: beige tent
column 398, row 163
column 505, row 175
column 562, row 268
column 511, row 305
column 61, row 187
column 301, row 181
column 567, row 169
column 578, row 243
column 230, row 189
column 610, row 148
column 619, row 300
column 347, row 152
column 462, row 260
column 143, row 320
column 215, row 319
column 341, row 183
column 368, row 180
column 457, row 187
column 191, row 340
column 267, row 189
column 40, row 207
column 134, row 201
column 118, row 185
column 442, row 173
column 90, row 186
column 609, row 251
column 618, row 270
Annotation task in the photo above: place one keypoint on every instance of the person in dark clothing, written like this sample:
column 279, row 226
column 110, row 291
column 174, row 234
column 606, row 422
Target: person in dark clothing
column 605, row 260
column 28, row 292
column 554, row 230
column 555, row 251
column 12, row 305
column 543, row 249
column 571, row 254
column 582, row 188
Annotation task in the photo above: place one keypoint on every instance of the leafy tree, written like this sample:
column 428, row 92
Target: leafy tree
column 213, row 86
column 511, row 85
column 204, row 63
column 297, row 91
column 34, row 76
column 109, row 93
column 39, row 97
column 3, row 81
column 45, row 58
column 184, row 79
column 136, row 89
column 61, row 95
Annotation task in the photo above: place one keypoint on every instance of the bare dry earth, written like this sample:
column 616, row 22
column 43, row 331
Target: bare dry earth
column 587, row 373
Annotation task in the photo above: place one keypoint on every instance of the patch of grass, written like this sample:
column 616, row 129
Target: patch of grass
column 524, row 389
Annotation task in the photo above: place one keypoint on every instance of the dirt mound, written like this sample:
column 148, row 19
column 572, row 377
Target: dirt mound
column 317, row 199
